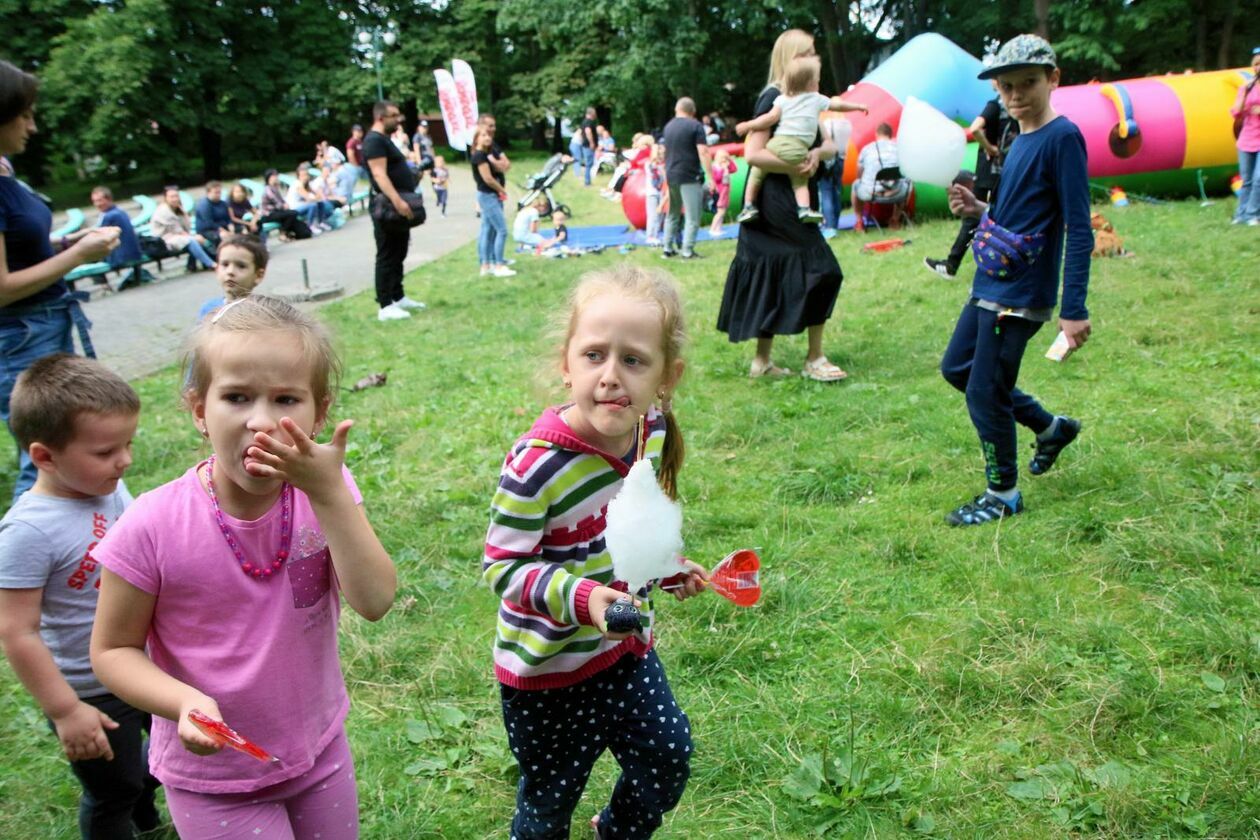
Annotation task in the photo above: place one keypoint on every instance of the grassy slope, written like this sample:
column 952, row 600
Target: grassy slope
column 1089, row 631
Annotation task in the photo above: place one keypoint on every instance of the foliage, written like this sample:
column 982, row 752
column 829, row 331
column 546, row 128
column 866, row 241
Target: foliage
column 153, row 84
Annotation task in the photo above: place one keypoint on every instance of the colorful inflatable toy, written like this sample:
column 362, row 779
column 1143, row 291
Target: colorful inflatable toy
column 1166, row 135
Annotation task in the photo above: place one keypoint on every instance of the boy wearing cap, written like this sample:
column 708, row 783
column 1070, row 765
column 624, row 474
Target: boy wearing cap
column 1037, row 227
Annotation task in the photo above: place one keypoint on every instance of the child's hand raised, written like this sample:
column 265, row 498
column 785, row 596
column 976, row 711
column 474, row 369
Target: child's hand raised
column 963, row 202
column 314, row 468
column 741, row 128
column 601, row 598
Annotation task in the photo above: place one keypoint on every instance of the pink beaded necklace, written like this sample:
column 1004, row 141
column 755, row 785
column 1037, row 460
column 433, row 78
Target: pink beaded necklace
column 286, row 529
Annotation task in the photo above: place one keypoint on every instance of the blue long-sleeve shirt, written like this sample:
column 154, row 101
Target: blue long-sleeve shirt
column 210, row 216
column 128, row 250
column 1045, row 189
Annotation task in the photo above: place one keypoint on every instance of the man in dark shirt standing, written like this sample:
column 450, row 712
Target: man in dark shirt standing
column 686, row 161
column 590, row 144
column 390, row 175
column 354, row 149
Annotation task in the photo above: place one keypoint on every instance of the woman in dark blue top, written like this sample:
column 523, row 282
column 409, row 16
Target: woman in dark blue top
column 37, row 308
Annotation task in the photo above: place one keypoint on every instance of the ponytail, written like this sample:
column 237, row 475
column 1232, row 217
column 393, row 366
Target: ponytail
column 671, row 456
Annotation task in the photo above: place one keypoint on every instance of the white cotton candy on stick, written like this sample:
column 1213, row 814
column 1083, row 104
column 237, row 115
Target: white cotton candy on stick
column 930, row 145
column 644, row 530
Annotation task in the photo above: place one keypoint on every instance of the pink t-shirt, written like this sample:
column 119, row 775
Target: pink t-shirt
column 266, row 651
column 722, row 182
column 1249, row 138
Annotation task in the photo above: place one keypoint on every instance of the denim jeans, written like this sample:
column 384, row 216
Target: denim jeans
column 314, row 212
column 1248, row 194
column 829, row 194
column 588, row 163
column 575, row 151
column 197, row 251
column 24, row 339
column 493, row 236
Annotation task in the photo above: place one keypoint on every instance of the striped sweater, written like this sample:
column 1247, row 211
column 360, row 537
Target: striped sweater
column 545, row 552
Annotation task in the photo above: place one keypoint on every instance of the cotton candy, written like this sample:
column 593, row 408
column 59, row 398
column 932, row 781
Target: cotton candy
column 644, row 532
column 930, row 145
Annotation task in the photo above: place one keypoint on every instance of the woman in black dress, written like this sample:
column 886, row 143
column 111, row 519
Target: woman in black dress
column 784, row 278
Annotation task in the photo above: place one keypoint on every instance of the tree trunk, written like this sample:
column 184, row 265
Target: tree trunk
column 211, row 153
column 1200, row 35
column 1227, row 35
column 1041, row 8
column 832, row 44
column 538, row 135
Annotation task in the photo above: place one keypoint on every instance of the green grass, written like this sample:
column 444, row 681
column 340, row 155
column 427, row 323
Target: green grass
column 1090, row 667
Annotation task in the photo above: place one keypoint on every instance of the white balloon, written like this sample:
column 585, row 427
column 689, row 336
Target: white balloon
column 930, row 146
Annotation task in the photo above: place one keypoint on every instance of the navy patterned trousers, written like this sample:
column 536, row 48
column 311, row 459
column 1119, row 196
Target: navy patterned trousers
column 557, row 734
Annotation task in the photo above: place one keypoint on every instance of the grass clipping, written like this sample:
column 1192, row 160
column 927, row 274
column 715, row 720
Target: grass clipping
column 644, row 531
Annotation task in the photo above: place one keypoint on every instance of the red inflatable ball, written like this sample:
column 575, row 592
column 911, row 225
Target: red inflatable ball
column 633, row 203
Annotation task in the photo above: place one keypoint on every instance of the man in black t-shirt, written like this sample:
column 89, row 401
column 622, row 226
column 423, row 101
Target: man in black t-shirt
column 390, row 175
column 590, row 143
column 994, row 130
column 686, row 161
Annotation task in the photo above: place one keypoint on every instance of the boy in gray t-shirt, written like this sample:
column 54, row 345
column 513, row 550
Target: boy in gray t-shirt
column 76, row 419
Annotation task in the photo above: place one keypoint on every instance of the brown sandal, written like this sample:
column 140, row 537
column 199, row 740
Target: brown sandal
column 756, row 371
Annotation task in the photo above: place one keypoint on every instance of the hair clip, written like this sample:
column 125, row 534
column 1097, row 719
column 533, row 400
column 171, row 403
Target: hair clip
column 223, row 309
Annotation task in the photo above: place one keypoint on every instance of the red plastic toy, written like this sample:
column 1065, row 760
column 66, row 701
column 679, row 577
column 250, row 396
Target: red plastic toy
column 737, row 578
column 229, row 737
column 884, row 245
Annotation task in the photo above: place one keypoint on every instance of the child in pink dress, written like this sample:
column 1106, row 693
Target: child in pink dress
column 723, row 169
column 221, row 591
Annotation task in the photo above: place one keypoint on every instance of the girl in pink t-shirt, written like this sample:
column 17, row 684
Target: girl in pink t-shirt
column 723, row 169
column 231, row 578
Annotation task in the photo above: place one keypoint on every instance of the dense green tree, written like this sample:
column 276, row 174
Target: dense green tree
column 171, row 87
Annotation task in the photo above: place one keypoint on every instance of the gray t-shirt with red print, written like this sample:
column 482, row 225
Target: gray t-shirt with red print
column 45, row 543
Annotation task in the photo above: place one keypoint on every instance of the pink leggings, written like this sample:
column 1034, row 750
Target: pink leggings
column 320, row 803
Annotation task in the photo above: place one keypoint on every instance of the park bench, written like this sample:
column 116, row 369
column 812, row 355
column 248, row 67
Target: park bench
column 73, row 223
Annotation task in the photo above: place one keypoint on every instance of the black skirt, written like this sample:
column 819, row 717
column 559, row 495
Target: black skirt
column 784, row 277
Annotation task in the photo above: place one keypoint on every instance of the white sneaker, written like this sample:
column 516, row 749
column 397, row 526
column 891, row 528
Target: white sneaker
column 502, row 271
column 316, row 230
column 405, row 303
column 1253, row 223
column 486, row 271
column 393, row 312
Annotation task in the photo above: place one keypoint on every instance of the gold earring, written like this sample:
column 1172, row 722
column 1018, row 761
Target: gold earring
column 568, row 384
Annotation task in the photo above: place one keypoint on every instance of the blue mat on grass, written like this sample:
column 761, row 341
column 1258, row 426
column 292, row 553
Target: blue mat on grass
column 612, row 236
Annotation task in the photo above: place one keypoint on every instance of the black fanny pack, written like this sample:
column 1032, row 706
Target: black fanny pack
column 383, row 211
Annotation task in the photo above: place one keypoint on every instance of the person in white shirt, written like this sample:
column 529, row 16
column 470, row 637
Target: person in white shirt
column 525, row 225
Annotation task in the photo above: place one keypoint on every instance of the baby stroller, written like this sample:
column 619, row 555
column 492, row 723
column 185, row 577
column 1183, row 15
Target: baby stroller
column 540, row 184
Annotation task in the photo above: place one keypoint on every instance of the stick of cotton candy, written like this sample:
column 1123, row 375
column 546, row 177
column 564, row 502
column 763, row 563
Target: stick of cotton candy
column 643, row 534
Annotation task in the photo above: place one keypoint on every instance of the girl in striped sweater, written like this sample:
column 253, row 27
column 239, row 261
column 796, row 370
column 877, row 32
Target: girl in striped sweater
column 571, row 689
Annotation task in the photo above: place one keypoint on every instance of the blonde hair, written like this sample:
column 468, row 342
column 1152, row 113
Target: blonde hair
column 656, row 287
column 259, row 313
column 790, row 45
column 801, row 72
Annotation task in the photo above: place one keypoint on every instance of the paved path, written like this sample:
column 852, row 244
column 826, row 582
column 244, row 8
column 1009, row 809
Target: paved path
column 139, row 331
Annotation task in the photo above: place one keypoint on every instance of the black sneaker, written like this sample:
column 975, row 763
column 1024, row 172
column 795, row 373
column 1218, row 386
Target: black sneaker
column 984, row 508
column 1048, row 450
column 691, row 255
column 667, row 253
column 940, row 267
